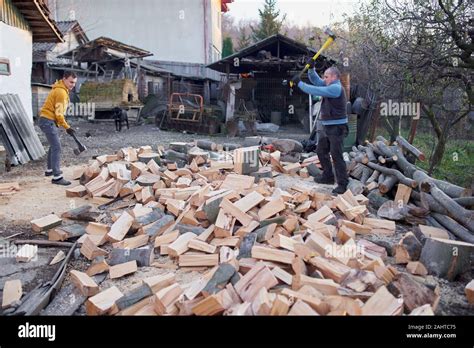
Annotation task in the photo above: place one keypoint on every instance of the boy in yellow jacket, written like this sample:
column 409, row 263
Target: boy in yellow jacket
column 51, row 118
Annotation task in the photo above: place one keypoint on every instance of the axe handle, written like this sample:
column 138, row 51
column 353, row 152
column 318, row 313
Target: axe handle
column 328, row 43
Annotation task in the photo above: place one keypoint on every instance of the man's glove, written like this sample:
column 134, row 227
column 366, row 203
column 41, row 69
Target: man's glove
column 296, row 79
column 70, row 131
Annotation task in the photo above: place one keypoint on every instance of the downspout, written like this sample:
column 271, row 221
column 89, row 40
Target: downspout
column 204, row 2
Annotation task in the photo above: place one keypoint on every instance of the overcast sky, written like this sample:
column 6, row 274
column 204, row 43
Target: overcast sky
column 300, row 12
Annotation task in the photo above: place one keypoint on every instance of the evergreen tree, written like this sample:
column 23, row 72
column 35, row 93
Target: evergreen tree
column 227, row 47
column 269, row 23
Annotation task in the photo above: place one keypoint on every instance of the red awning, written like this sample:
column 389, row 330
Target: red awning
column 224, row 7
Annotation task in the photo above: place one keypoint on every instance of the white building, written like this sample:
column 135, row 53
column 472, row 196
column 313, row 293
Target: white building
column 21, row 24
column 173, row 30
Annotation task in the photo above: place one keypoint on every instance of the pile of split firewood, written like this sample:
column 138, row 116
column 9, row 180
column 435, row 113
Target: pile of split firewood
column 262, row 250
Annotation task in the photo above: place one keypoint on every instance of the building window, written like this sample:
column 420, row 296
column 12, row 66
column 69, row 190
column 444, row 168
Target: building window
column 4, row 66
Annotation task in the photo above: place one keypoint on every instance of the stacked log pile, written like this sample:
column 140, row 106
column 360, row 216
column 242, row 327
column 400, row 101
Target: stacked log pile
column 402, row 191
column 262, row 250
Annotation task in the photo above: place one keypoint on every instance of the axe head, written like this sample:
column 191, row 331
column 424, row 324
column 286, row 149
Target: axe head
column 329, row 32
column 79, row 150
column 80, row 146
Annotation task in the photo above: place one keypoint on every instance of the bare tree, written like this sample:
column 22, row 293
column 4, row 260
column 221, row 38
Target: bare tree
column 419, row 51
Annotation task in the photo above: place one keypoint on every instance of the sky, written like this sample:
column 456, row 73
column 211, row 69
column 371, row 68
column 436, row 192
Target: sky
column 298, row 12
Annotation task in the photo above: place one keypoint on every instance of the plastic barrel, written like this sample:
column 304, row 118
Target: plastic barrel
column 350, row 140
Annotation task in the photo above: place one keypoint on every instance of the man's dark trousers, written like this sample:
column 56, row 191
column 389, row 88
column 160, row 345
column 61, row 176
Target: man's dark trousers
column 331, row 143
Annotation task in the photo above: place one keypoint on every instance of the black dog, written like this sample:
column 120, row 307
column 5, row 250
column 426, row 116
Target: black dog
column 119, row 117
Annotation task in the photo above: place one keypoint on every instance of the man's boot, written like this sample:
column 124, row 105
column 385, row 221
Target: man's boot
column 320, row 179
column 339, row 190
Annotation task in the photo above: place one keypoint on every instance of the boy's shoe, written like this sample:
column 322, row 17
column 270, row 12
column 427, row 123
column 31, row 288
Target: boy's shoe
column 61, row 181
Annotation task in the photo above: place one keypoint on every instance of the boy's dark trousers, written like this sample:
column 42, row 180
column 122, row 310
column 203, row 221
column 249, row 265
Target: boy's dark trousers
column 331, row 143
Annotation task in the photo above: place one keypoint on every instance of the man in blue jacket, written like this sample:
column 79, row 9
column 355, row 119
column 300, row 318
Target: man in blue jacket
column 334, row 120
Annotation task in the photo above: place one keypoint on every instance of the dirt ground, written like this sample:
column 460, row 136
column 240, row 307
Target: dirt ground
column 38, row 197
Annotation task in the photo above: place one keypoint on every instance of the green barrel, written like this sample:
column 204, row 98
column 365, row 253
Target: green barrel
column 350, row 140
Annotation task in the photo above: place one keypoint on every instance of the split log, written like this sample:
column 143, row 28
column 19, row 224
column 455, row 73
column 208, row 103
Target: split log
column 172, row 155
column 183, row 228
column 219, row 279
column 230, row 146
column 408, row 249
column 373, row 177
column 158, row 227
column 366, row 173
column 85, row 284
column 143, row 256
column 355, row 186
column 413, row 293
column 134, row 296
column 179, row 147
column 199, row 155
column 376, row 199
column 463, row 216
column 446, row 258
column 287, row 145
column 264, row 172
column 453, row 227
column 469, row 291
column 402, row 142
column 12, row 292
column 247, row 245
column 313, row 170
column 393, row 211
column 426, row 183
column 103, row 302
column 357, row 171
column 206, row 145
column 82, row 213
column 148, row 156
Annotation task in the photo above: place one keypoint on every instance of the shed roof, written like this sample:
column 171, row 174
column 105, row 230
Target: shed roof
column 40, row 49
column 103, row 48
column 36, row 12
column 278, row 45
